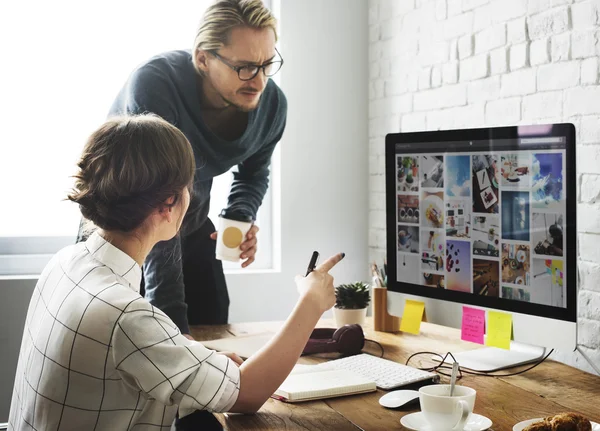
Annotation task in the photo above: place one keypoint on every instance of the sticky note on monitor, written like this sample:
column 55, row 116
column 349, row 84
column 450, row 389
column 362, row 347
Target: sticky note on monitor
column 473, row 325
column 412, row 316
column 499, row 329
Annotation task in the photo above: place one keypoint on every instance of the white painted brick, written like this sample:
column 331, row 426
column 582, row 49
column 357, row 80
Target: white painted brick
column 558, row 76
column 539, row 52
column 413, row 22
column 590, row 188
column 454, row 7
column 472, row 4
column 373, row 12
column 443, row 97
column 474, row 68
column 588, row 159
column 436, row 76
column 505, row 10
column 589, row 129
column 582, row 101
column 584, row 44
column 589, row 304
column 413, row 122
column 389, row 28
column 537, row 6
column 454, row 118
column 379, row 108
column 518, row 83
column 499, row 61
column 587, row 333
column 504, row 111
column 373, row 70
column 384, row 66
column 458, row 25
column 387, row 48
column 588, row 218
column 385, row 10
column 425, row 78
column 519, row 56
column 588, row 251
column 584, row 15
column 375, row 51
column 433, row 53
column 402, row 7
column 561, row 47
column 589, row 71
column 412, row 79
column 453, row 53
column 378, row 86
column 465, row 46
column 405, row 46
column 396, row 86
column 483, row 90
column 440, row 10
column 377, row 199
column 554, row 21
column 450, row 73
column 490, row 38
column 374, row 33
column 516, row 31
column 381, row 126
column 542, row 105
column 482, row 18
column 377, row 183
column 377, row 147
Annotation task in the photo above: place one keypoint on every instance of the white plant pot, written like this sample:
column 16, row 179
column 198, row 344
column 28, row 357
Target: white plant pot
column 348, row 316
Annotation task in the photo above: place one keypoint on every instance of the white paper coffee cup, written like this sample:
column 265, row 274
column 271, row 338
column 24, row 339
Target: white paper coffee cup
column 231, row 233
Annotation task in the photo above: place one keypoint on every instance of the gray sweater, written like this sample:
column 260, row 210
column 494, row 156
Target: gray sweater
column 166, row 85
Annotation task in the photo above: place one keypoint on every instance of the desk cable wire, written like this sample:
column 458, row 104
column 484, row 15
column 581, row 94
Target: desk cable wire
column 441, row 366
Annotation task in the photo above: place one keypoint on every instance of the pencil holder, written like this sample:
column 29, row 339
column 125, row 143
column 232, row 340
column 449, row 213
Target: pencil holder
column 382, row 321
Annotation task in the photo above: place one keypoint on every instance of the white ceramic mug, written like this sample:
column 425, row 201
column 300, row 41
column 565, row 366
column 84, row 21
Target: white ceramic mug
column 231, row 233
column 444, row 412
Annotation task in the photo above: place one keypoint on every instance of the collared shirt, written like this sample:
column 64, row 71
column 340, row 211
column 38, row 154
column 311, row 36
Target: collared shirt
column 96, row 355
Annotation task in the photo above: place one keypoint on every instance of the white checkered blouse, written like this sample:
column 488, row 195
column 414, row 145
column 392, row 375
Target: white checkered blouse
column 96, row 355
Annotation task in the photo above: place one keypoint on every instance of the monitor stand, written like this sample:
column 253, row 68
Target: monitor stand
column 490, row 359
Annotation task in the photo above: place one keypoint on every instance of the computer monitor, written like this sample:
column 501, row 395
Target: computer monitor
column 486, row 218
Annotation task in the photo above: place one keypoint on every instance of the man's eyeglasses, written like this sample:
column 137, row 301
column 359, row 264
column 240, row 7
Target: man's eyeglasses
column 249, row 71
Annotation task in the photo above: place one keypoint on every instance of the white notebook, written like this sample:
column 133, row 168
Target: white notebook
column 309, row 382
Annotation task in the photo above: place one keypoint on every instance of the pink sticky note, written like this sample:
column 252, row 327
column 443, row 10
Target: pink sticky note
column 473, row 325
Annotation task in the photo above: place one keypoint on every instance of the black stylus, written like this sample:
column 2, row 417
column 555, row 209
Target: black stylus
column 312, row 263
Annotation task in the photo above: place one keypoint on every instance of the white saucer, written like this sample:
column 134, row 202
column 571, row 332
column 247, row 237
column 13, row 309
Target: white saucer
column 416, row 422
column 521, row 425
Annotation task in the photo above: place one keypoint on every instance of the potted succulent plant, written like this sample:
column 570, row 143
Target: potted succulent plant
column 351, row 303
column 491, row 234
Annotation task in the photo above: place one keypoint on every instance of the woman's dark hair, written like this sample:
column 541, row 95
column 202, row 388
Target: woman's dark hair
column 130, row 166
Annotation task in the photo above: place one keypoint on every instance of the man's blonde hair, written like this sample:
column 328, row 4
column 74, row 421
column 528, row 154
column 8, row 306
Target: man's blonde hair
column 224, row 15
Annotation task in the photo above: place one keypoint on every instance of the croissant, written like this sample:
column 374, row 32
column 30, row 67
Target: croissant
column 561, row 422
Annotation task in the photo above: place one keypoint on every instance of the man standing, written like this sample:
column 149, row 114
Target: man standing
column 220, row 96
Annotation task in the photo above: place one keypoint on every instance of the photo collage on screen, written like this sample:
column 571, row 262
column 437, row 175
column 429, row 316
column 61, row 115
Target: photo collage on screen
column 483, row 223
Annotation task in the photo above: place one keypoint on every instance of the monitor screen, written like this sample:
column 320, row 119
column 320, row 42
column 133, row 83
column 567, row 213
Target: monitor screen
column 483, row 217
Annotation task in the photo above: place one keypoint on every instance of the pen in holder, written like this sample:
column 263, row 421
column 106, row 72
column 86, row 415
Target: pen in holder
column 382, row 321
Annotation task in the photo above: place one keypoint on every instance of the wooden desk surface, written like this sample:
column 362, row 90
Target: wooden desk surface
column 548, row 389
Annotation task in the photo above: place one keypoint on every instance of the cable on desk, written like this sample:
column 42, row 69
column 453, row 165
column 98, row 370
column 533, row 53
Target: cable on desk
column 474, row 373
column 380, row 346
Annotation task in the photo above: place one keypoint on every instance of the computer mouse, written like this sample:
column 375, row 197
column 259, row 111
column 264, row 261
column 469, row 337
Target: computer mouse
column 400, row 398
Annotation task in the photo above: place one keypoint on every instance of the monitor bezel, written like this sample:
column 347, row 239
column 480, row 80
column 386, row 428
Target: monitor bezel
column 458, row 137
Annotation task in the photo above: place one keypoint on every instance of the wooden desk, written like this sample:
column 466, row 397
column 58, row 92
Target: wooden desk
column 548, row 389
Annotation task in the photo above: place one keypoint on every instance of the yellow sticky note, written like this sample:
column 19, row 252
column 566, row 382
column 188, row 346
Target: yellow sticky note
column 412, row 316
column 499, row 330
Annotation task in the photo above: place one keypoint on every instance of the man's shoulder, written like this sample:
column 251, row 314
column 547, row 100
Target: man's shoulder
column 164, row 66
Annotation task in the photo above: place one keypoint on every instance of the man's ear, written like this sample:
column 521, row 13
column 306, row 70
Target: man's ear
column 201, row 60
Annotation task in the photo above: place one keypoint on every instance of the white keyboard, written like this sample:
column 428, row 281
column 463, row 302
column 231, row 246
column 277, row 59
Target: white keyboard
column 386, row 374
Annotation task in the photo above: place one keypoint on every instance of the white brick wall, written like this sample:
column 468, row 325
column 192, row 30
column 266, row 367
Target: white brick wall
column 438, row 64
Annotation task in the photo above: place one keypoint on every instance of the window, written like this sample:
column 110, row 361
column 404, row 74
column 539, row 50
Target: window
column 65, row 61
